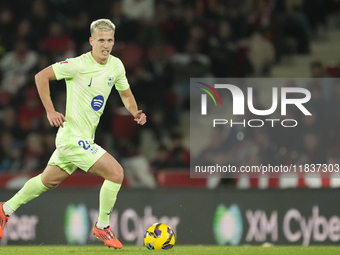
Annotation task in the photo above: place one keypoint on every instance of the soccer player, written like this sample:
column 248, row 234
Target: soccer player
column 89, row 80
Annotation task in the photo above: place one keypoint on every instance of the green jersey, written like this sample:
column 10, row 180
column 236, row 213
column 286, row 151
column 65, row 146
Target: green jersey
column 88, row 86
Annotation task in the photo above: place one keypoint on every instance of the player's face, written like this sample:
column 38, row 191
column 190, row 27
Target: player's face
column 102, row 43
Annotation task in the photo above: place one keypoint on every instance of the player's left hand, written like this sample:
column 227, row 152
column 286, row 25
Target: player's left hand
column 140, row 117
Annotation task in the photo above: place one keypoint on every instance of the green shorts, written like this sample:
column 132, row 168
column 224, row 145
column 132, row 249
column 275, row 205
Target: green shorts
column 70, row 155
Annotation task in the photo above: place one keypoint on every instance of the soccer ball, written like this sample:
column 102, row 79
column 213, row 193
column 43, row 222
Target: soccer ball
column 159, row 236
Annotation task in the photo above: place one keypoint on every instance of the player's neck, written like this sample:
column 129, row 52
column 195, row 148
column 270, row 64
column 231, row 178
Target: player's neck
column 99, row 60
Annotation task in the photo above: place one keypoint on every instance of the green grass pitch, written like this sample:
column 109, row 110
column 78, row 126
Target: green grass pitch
column 187, row 250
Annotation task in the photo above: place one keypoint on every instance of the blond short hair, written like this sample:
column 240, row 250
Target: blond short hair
column 102, row 25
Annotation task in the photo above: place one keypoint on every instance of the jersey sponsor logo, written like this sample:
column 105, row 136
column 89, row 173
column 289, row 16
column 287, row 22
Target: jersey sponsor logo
column 110, row 81
column 63, row 62
column 97, row 102
column 90, row 83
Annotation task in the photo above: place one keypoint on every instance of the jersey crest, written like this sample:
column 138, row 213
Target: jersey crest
column 110, row 81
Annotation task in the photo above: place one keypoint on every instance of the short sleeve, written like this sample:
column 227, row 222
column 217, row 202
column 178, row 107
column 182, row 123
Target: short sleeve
column 121, row 82
column 66, row 69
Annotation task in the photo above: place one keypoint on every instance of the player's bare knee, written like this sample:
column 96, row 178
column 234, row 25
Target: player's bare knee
column 118, row 176
column 51, row 184
column 121, row 177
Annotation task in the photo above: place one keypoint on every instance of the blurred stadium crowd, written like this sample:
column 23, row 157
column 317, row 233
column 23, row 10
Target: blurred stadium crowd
column 162, row 44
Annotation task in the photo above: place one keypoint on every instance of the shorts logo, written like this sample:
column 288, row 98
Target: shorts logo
column 110, row 81
column 97, row 102
column 63, row 62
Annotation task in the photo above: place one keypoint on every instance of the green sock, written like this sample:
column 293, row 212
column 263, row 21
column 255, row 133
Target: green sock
column 32, row 189
column 107, row 199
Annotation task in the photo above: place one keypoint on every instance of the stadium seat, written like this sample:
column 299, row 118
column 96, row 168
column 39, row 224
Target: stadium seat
column 123, row 125
column 5, row 99
column 333, row 70
column 77, row 179
column 168, row 48
column 129, row 54
column 85, row 180
column 168, row 178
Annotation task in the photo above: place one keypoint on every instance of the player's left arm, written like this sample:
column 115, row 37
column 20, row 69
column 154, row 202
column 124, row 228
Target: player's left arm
column 131, row 105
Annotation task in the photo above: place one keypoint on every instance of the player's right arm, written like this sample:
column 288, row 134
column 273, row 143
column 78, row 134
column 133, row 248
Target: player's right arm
column 42, row 79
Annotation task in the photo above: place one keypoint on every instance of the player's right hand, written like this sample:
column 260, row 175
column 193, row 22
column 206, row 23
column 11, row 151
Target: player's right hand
column 56, row 119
